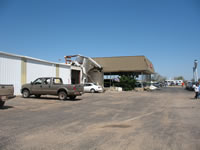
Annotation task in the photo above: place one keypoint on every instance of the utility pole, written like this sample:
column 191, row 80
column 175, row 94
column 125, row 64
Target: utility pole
column 195, row 73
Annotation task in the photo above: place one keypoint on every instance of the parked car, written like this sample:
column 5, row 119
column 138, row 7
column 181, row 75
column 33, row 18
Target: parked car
column 157, row 84
column 6, row 93
column 51, row 86
column 189, row 85
column 92, row 88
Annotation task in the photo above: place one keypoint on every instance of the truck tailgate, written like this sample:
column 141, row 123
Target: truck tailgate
column 7, row 90
column 75, row 87
column 79, row 87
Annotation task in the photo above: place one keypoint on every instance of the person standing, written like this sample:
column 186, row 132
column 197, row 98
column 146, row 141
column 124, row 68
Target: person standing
column 199, row 92
column 196, row 90
column 182, row 84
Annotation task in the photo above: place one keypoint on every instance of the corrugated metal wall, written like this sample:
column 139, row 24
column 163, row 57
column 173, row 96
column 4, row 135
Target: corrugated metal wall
column 10, row 71
column 18, row 70
column 37, row 69
column 65, row 74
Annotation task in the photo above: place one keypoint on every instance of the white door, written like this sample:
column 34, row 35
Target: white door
column 87, row 87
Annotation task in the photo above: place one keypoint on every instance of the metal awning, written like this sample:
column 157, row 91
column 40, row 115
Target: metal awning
column 125, row 64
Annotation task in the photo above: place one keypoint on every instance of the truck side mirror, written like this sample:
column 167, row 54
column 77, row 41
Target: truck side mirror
column 31, row 83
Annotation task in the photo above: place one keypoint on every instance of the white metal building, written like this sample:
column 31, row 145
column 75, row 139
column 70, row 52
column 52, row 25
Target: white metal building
column 18, row 70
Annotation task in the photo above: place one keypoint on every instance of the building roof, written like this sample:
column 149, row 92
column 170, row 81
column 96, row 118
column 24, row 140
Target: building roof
column 136, row 64
column 31, row 58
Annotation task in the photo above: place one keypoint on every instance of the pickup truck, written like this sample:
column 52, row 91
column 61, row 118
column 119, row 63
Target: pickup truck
column 51, row 86
column 6, row 92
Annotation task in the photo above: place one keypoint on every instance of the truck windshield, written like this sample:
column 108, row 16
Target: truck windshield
column 38, row 81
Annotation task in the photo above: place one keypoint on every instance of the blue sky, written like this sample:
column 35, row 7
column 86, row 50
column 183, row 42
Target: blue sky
column 165, row 31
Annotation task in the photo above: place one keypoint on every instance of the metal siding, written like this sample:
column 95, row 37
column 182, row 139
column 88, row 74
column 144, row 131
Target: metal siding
column 65, row 74
column 125, row 64
column 10, row 71
column 37, row 69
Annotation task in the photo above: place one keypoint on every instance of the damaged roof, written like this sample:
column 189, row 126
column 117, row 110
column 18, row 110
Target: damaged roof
column 137, row 64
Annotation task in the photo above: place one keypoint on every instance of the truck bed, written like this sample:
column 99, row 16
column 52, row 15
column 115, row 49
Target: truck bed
column 6, row 90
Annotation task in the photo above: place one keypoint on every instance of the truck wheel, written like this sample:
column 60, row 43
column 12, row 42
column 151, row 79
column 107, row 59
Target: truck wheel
column 72, row 97
column 62, row 95
column 2, row 103
column 25, row 93
column 92, row 90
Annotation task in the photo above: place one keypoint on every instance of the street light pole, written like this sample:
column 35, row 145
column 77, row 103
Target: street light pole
column 195, row 73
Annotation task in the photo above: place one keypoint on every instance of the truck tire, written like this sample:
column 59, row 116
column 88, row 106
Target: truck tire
column 2, row 103
column 26, row 93
column 62, row 95
column 72, row 97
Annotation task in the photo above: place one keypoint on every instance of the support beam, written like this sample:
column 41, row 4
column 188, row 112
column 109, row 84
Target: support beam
column 57, row 70
column 23, row 70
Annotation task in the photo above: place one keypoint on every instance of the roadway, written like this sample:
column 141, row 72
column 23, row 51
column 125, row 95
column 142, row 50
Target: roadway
column 159, row 120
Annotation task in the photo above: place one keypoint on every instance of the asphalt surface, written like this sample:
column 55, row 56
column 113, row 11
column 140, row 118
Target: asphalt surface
column 168, row 119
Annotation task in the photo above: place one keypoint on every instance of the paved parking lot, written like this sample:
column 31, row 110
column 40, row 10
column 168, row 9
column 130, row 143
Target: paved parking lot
column 159, row 120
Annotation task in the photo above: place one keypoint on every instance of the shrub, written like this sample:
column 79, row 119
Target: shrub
column 127, row 82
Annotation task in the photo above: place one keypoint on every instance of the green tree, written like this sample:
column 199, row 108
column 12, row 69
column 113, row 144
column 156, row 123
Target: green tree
column 127, row 82
column 179, row 78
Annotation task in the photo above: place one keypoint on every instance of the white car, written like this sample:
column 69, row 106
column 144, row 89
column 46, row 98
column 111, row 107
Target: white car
column 91, row 87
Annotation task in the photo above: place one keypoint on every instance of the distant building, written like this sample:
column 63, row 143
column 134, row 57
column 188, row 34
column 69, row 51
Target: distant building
column 126, row 65
column 173, row 82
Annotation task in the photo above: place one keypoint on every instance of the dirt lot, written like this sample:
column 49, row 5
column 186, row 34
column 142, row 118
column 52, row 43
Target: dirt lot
column 168, row 119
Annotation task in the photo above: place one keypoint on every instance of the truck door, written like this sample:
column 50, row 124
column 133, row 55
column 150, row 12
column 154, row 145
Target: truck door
column 46, row 86
column 36, row 86
column 56, row 84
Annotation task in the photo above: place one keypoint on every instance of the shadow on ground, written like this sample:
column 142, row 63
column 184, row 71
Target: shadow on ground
column 6, row 107
column 52, row 98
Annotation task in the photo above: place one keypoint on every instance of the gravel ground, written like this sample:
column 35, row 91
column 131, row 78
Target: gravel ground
column 167, row 119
